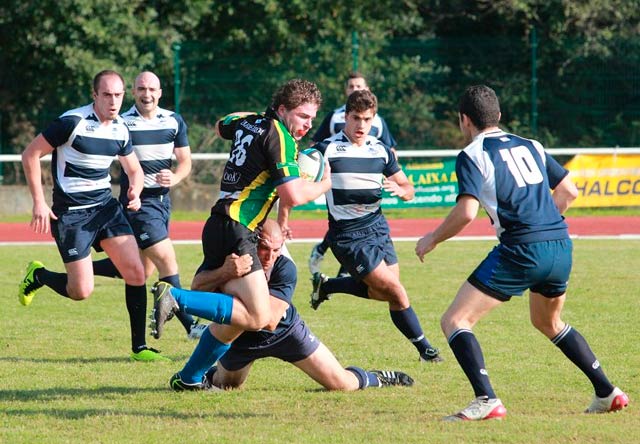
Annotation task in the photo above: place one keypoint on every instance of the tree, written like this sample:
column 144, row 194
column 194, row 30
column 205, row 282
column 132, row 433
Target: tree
column 54, row 49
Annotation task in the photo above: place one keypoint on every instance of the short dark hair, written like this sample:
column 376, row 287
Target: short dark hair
column 356, row 75
column 104, row 73
column 361, row 101
column 296, row 92
column 480, row 104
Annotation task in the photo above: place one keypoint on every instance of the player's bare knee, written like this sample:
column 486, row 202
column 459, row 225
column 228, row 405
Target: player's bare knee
column 135, row 282
column 444, row 323
column 388, row 290
column 395, row 295
column 258, row 322
column 135, row 276
column 398, row 301
column 448, row 324
column 549, row 327
column 80, row 292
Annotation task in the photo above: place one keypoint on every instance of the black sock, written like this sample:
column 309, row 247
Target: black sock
column 467, row 351
column 347, row 285
column 365, row 378
column 56, row 281
column 407, row 322
column 186, row 319
column 136, row 298
column 105, row 267
column 323, row 246
column 575, row 347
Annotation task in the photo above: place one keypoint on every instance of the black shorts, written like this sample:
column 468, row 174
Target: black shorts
column 222, row 236
column 150, row 223
column 76, row 231
column 296, row 344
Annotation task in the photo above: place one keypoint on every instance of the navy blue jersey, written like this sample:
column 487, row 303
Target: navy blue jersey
column 282, row 279
column 354, row 200
column 153, row 142
column 334, row 122
column 84, row 150
column 511, row 177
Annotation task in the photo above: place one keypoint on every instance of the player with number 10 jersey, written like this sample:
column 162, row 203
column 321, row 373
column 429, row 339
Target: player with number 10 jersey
column 525, row 192
column 511, row 177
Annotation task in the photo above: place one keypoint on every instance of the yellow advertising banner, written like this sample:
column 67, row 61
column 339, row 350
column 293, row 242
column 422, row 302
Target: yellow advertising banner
column 606, row 180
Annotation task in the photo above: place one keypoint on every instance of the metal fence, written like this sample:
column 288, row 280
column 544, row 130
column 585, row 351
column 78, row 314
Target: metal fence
column 588, row 99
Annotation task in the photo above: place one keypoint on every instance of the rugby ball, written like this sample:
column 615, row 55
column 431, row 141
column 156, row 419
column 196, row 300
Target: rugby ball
column 311, row 164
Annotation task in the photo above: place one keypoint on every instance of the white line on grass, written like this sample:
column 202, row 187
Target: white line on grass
column 395, row 239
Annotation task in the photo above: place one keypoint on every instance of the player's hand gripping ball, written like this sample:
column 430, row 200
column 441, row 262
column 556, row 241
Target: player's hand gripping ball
column 311, row 164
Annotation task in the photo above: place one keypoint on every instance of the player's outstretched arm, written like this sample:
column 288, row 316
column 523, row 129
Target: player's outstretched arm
column 460, row 216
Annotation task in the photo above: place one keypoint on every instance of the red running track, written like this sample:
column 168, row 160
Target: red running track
column 314, row 229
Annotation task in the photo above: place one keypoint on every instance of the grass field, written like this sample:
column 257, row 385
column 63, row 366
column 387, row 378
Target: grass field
column 66, row 376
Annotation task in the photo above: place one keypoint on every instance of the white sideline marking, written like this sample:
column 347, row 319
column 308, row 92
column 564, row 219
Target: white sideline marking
column 395, row 239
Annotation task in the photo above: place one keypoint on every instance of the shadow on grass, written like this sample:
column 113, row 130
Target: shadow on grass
column 80, row 360
column 74, row 414
column 59, row 393
column 64, row 393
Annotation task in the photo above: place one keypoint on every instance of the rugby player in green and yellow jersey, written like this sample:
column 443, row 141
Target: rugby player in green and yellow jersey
column 262, row 167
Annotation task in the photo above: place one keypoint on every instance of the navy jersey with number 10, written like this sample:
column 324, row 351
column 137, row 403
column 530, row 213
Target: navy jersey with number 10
column 512, row 177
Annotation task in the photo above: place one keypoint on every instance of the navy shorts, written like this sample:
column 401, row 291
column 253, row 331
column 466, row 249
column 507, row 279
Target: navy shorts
column 150, row 223
column 509, row 270
column 76, row 231
column 296, row 344
column 361, row 251
column 222, row 236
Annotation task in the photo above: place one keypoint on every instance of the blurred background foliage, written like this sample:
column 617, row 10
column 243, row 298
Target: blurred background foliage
column 567, row 73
